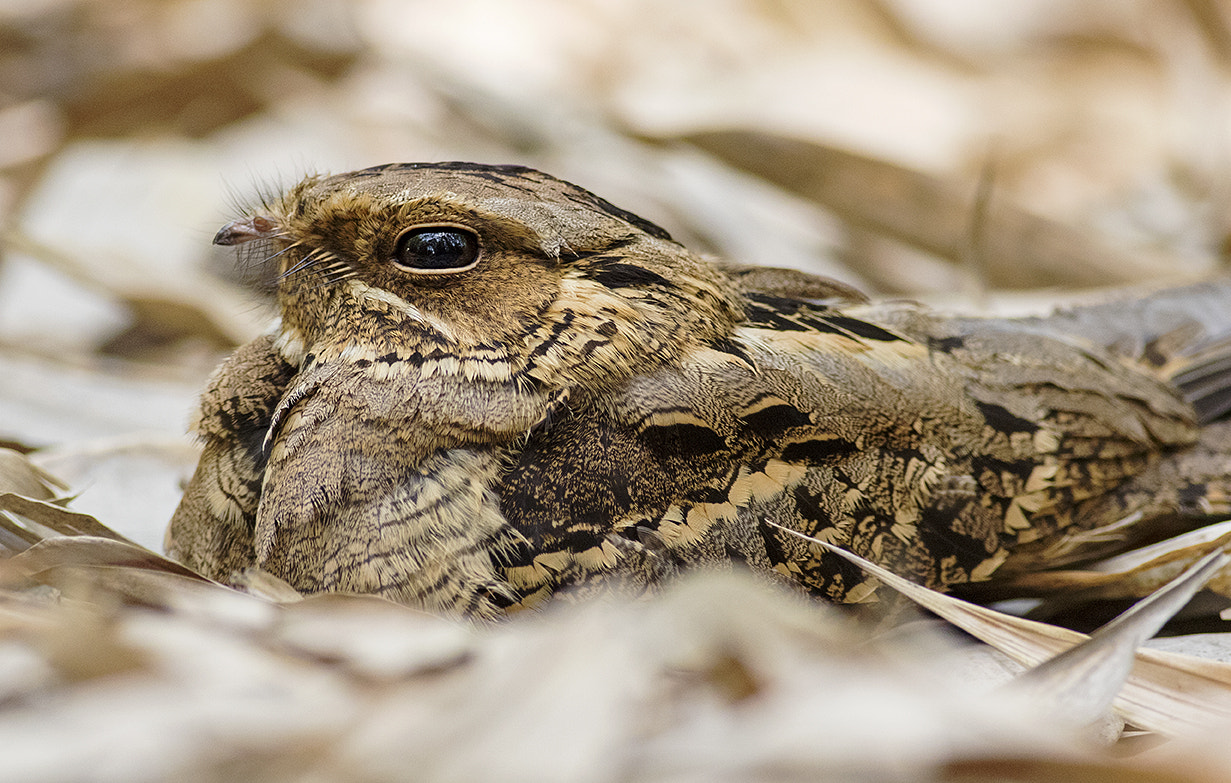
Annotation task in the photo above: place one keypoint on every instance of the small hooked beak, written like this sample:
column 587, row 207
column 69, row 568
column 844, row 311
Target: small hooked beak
column 246, row 229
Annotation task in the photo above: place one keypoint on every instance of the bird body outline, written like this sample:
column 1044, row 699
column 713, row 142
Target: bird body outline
column 489, row 386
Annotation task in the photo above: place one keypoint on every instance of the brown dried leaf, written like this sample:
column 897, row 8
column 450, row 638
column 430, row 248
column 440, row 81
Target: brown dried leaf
column 1136, row 573
column 1167, row 693
column 59, row 520
column 91, row 551
column 1085, row 679
column 372, row 637
column 20, row 476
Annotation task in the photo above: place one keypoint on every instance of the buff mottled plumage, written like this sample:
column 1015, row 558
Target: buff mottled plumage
column 589, row 402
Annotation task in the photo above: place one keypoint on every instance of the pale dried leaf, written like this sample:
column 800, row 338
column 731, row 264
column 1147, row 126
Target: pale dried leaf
column 262, row 584
column 1135, row 573
column 58, row 520
column 46, row 401
column 1167, row 694
column 372, row 637
column 1201, row 646
column 20, row 476
column 135, row 482
column 1084, row 680
column 175, row 304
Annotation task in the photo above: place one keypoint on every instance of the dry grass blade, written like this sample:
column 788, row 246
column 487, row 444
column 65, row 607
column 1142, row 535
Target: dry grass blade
column 50, row 517
column 111, row 574
column 1017, row 249
column 1137, row 572
column 15, row 537
column 20, row 476
column 262, row 584
column 69, row 552
column 1167, row 693
column 1085, row 679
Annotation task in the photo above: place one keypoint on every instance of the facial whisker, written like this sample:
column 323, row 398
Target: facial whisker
column 338, row 275
column 291, row 246
column 327, row 283
column 314, row 257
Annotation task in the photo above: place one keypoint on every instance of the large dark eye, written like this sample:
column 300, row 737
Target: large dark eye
column 437, row 249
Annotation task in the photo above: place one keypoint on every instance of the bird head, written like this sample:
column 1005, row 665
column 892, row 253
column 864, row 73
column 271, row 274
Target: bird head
column 493, row 272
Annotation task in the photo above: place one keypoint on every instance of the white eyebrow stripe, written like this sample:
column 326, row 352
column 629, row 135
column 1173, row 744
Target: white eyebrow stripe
column 363, row 291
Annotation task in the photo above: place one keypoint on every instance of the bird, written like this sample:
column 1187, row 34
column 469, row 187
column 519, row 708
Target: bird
column 487, row 387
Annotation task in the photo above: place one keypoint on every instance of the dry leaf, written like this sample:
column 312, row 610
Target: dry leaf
column 41, row 514
column 20, row 476
column 1167, row 693
column 82, row 550
column 1084, row 680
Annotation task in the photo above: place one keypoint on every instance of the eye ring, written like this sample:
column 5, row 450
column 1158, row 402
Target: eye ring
column 436, row 250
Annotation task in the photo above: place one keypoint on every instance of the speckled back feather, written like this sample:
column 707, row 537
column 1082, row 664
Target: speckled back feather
column 592, row 402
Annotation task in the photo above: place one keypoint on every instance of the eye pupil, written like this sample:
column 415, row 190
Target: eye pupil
column 437, row 249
